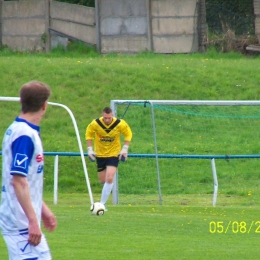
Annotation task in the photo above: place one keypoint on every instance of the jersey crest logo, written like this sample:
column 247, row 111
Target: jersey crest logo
column 9, row 132
column 20, row 160
column 39, row 158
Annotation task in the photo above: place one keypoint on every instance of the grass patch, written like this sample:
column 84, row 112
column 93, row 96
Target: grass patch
column 187, row 229
column 86, row 82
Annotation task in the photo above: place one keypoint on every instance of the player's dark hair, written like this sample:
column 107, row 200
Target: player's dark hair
column 33, row 95
column 107, row 110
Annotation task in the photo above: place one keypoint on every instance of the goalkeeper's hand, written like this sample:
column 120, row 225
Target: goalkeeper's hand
column 123, row 153
column 91, row 154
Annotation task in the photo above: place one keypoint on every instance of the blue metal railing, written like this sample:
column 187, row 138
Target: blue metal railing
column 167, row 156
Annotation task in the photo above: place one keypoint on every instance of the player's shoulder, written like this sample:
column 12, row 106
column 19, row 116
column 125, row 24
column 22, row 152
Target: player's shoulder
column 122, row 121
column 21, row 128
column 94, row 123
column 96, row 120
column 123, row 124
column 17, row 127
column 21, row 123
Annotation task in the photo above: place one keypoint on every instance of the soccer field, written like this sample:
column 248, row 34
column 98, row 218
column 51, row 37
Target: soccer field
column 186, row 226
column 188, row 229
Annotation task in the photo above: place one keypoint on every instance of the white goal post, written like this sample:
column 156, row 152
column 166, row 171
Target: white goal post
column 17, row 99
column 152, row 103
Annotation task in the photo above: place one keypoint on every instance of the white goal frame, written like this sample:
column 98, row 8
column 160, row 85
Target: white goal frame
column 114, row 103
column 17, row 99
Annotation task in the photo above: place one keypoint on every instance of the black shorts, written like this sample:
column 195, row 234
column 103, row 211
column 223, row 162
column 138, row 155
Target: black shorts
column 103, row 162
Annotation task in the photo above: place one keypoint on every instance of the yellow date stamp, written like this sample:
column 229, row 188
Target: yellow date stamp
column 235, row 227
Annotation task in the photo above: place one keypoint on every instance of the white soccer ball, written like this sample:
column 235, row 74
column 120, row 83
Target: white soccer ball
column 97, row 209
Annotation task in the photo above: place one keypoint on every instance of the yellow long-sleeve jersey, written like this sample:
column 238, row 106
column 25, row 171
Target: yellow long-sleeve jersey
column 107, row 137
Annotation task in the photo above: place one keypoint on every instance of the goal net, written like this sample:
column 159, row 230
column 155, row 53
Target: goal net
column 173, row 145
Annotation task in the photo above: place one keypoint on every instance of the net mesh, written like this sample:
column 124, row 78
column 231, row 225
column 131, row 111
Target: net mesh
column 189, row 130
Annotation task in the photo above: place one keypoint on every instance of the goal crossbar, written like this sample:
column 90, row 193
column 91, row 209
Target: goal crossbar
column 190, row 102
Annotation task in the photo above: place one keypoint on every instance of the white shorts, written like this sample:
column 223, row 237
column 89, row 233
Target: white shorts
column 20, row 249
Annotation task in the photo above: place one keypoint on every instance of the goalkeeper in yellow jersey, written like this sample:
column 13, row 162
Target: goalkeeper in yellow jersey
column 105, row 133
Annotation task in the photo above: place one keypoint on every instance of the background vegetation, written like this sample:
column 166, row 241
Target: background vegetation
column 90, row 3
column 86, row 82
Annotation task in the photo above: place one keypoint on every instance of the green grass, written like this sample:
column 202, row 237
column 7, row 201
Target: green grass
column 140, row 228
column 177, row 231
column 86, row 82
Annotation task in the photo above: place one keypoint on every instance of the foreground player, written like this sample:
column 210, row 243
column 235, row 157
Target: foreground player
column 22, row 208
column 106, row 132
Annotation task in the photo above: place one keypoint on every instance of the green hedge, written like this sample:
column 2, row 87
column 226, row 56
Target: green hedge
column 242, row 7
column 90, row 3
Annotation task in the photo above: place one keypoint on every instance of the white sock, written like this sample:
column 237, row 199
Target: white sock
column 107, row 188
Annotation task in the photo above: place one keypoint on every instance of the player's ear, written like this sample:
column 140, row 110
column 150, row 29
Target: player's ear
column 44, row 106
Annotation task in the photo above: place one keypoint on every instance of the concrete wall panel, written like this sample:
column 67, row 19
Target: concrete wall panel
column 24, row 9
column 257, row 18
column 173, row 7
column 120, row 26
column 122, row 8
column 177, row 44
column 78, row 31
column 124, row 44
column 257, row 28
column 128, row 26
column 125, row 22
column 30, row 43
column 257, row 25
column 28, row 27
column 23, row 24
column 173, row 25
column 73, row 13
